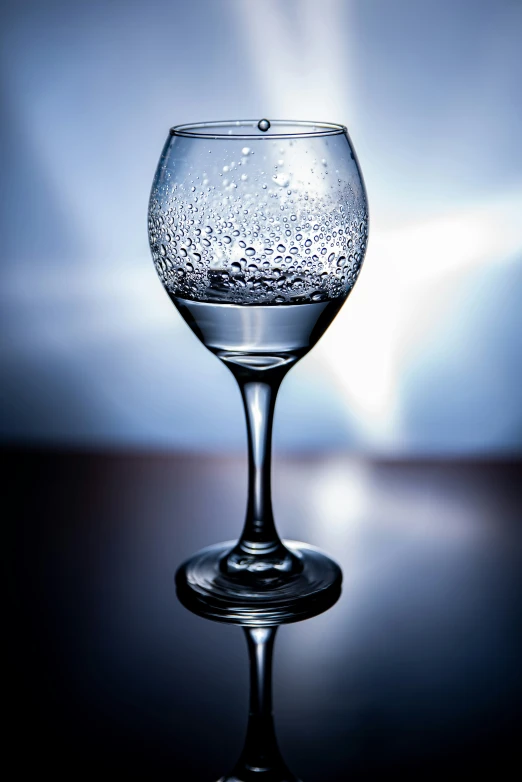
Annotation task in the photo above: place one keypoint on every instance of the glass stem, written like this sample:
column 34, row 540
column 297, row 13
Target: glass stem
column 260, row 551
column 259, row 533
column 260, row 752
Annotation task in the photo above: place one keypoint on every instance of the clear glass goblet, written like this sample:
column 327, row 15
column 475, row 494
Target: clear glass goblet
column 258, row 231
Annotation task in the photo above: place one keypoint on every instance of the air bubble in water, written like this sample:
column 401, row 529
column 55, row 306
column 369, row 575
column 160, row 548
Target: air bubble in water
column 263, row 125
column 282, row 180
column 245, row 151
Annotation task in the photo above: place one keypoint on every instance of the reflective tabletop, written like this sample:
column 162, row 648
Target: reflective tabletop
column 413, row 674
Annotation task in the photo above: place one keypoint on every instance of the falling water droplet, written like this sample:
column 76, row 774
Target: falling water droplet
column 263, row 125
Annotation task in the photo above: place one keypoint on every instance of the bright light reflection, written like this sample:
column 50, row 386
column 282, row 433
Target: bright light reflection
column 350, row 500
column 413, row 278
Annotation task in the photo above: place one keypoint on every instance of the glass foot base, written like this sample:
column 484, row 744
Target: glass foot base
column 205, row 589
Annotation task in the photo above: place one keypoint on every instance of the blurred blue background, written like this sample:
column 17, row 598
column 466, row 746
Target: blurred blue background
column 425, row 358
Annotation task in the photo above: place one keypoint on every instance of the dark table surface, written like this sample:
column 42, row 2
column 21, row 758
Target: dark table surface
column 416, row 673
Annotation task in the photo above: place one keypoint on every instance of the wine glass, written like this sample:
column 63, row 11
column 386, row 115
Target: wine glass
column 258, row 231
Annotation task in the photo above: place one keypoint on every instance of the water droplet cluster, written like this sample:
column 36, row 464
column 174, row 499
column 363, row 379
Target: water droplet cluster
column 246, row 235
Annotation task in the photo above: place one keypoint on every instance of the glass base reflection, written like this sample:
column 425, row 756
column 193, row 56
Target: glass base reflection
column 207, row 591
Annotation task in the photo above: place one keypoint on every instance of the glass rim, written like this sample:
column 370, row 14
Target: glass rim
column 214, row 130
